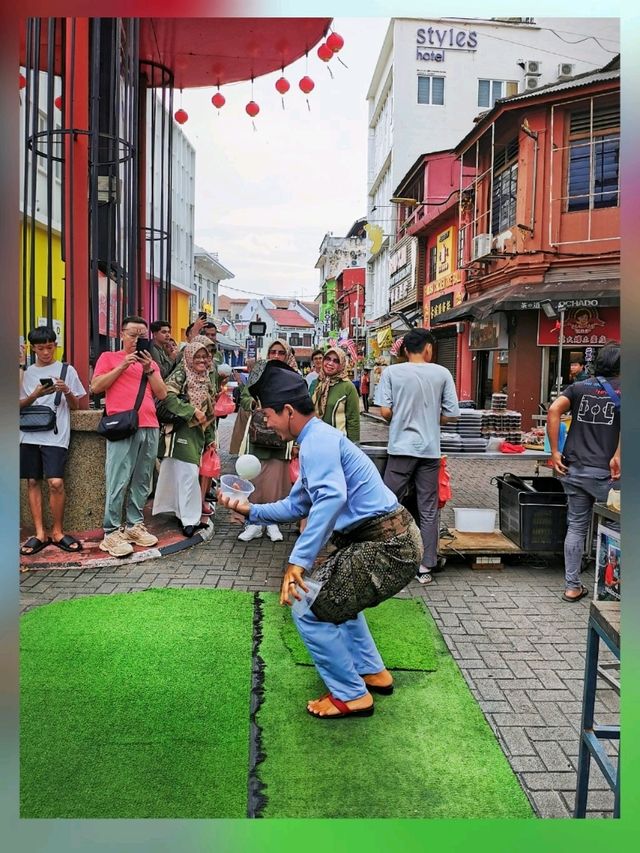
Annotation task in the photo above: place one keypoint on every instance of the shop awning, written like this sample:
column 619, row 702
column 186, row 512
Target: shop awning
column 228, row 343
column 527, row 297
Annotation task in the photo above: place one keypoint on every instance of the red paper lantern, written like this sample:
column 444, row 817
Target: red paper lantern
column 324, row 52
column 58, row 102
column 181, row 116
column 252, row 109
column 306, row 84
column 282, row 85
column 218, row 100
column 335, row 42
column 22, row 81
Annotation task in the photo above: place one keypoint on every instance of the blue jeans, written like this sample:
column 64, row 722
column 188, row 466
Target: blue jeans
column 341, row 653
column 583, row 486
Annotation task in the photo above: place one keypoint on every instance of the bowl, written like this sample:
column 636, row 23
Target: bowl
column 236, row 487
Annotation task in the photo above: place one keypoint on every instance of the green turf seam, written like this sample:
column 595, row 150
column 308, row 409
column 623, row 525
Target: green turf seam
column 256, row 799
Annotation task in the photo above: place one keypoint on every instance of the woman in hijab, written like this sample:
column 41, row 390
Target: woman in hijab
column 190, row 397
column 273, row 482
column 335, row 396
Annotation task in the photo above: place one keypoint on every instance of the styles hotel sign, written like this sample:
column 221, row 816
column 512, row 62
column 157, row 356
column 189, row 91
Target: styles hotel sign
column 432, row 42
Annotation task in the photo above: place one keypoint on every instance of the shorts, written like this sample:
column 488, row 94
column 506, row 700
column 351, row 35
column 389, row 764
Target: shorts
column 41, row 461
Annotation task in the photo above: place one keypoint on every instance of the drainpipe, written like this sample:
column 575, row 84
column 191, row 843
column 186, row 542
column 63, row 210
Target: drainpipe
column 532, row 134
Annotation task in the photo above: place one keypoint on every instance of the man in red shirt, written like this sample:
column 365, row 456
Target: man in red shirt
column 129, row 463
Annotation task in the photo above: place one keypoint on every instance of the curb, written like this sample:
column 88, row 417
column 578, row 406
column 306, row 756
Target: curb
column 137, row 557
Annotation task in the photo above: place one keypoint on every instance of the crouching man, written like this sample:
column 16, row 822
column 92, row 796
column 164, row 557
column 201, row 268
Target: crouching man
column 374, row 544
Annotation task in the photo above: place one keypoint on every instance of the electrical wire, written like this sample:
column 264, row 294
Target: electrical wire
column 544, row 50
column 579, row 41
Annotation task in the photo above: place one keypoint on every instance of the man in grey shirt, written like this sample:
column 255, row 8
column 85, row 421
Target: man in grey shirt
column 415, row 398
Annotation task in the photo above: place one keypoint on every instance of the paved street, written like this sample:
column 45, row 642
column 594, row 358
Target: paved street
column 519, row 646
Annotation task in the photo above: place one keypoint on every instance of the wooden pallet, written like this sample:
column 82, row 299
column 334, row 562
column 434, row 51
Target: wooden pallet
column 486, row 549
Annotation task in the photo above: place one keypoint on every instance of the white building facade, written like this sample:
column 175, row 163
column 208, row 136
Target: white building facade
column 434, row 76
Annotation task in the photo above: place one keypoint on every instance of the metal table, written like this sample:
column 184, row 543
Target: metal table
column 604, row 624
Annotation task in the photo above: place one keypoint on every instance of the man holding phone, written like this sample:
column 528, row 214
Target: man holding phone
column 130, row 462
column 43, row 454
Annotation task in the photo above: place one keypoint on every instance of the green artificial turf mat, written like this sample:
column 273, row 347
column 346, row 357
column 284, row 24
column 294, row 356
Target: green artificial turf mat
column 137, row 706
column 427, row 751
column 400, row 631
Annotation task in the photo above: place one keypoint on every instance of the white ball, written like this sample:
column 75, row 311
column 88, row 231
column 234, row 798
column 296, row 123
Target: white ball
column 224, row 369
column 248, row 466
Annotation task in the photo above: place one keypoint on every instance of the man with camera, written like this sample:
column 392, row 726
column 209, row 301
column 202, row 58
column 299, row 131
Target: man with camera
column 43, row 452
column 130, row 461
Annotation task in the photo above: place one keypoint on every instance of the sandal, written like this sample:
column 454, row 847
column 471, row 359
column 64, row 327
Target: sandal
column 584, row 591
column 345, row 710
column 67, row 543
column 35, row 545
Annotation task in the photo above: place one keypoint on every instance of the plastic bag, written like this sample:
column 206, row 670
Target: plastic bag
column 210, row 465
column 224, row 405
column 444, row 483
column 294, row 470
column 507, row 447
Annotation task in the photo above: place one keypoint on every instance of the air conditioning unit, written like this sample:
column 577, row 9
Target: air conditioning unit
column 532, row 66
column 531, row 83
column 565, row 69
column 481, row 246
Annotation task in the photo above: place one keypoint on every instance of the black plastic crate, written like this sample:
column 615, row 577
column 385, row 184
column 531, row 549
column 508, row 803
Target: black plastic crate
column 532, row 512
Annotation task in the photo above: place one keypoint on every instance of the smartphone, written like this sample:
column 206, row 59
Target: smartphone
column 47, row 381
column 143, row 345
column 202, row 315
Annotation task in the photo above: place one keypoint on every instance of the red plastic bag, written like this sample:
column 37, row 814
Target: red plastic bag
column 294, row 470
column 507, row 447
column 210, row 465
column 224, row 405
column 444, row 484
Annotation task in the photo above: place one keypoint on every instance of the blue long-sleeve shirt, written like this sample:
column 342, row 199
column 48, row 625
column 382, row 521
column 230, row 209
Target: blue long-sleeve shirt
column 338, row 487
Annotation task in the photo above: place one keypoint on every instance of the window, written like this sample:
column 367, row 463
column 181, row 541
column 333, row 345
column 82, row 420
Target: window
column 505, row 185
column 433, row 263
column 307, row 340
column 490, row 90
column 430, row 90
column 295, row 340
column 594, row 159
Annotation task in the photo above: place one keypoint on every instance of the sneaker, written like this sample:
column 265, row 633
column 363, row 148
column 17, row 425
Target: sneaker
column 116, row 545
column 273, row 532
column 424, row 575
column 139, row 535
column 251, row 531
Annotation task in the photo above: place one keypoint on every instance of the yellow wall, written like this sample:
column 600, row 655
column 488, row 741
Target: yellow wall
column 41, row 261
column 179, row 314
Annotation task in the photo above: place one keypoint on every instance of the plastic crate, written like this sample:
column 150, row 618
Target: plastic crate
column 532, row 512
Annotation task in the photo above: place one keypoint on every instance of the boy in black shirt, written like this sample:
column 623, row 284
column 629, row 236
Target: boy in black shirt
column 591, row 456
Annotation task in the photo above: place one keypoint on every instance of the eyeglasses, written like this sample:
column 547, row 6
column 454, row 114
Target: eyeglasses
column 331, row 359
column 136, row 334
column 277, row 352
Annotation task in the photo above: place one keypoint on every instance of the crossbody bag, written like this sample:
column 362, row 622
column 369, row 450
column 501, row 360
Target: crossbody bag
column 122, row 424
column 40, row 418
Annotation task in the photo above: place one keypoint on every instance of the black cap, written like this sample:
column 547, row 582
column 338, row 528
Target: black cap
column 275, row 383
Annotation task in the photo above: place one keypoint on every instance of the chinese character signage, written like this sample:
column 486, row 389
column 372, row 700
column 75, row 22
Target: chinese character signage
column 439, row 305
column 444, row 253
column 583, row 326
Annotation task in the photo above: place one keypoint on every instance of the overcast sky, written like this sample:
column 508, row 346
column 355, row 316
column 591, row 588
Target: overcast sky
column 266, row 198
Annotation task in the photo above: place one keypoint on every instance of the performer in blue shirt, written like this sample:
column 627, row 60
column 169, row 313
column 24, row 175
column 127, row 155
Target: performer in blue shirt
column 373, row 543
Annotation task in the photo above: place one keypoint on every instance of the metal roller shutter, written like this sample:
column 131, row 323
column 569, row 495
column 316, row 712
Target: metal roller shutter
column 447, row 352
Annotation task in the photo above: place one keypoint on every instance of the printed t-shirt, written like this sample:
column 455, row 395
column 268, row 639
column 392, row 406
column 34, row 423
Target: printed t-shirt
column 121, row 396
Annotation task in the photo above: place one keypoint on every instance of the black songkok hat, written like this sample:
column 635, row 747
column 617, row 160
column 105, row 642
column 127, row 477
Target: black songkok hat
column 275, row 383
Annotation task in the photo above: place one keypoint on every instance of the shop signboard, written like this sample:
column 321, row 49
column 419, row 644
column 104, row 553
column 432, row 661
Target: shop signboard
column 108, row 293
column 583, row 326
column 489, row 334
column 251, row 347
column 439, row 305
column 402, row 272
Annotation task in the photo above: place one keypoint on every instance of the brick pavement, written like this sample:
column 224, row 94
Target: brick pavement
column 519, row 647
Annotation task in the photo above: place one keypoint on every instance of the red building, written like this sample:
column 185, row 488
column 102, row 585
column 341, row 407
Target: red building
column 540, row 223
column 428, row 232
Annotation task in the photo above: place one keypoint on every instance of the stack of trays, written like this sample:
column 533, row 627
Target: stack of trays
column 474, row 445
column 450, row 442
column 470, row 431
column 499, row 402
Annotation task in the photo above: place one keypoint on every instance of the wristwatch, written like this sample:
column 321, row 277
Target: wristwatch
column 150, row 371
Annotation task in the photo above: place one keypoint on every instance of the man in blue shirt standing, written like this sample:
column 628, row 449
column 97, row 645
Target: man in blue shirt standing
column 375, row 546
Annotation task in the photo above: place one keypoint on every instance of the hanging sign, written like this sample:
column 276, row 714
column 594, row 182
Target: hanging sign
column 582, row 327
column 439, row 305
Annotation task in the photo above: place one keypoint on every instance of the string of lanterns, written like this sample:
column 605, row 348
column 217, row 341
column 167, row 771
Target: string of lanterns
column 326, row 51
